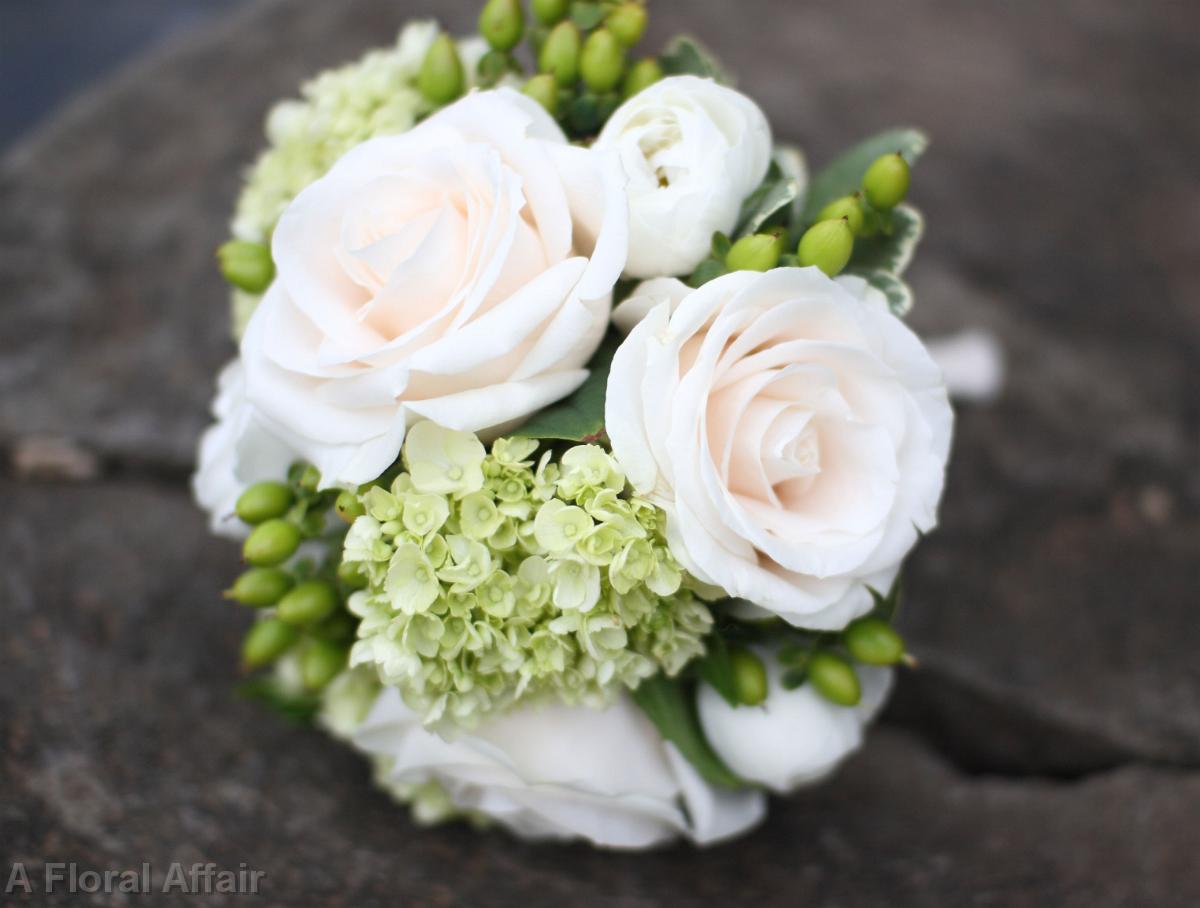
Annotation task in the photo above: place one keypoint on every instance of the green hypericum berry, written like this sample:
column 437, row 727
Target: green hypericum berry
column 266, row 642
column 827, row 244
column 348, row 507
column 339, row 627
column 305, row 477
column 872, row 223
column 352, row 574
column 248, row 266
column 758, row 252
column 543, row 89
column 642, row 74
column 492, row 67
column 874, row 642
column 602, row 61
column 848, row 207
column 312, row 524
column 321, row 662
column 834, row 678
column 259, row 587
column 262, row 501
column 560, row 54
column 749, row 677
column 308, row 603
column 502, row 23
column 627, row 23
column 549, row 12
column 441, row 77
column 886, row 181
column 271, row 542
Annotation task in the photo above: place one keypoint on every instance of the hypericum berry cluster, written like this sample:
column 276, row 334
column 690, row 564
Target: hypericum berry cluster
column 825, row 659
column 491, row 579
column 580, row 50
column 828, row 241
column 301, row 599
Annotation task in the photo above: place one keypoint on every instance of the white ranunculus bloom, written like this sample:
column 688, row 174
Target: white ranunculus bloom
column 235, row 452
column 793, row 429
column 562, row 772
column 693, row 151
column 796, row 737
column 460, row 272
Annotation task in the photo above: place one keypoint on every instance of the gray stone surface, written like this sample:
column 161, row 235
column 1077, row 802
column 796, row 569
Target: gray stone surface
column 124, row 743
column 1046, row 753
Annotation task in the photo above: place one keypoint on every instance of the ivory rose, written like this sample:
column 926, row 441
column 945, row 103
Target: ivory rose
column 796, row 737
column 793, row 429
column 693, row 151
column 562, row 772
column 459, row 272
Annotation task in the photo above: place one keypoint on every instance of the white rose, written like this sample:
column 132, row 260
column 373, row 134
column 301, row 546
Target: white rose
column 796, row 737
column 235, row 452
column 460, row 272
column 793, row 429
column 693, row 151
column 562, row 772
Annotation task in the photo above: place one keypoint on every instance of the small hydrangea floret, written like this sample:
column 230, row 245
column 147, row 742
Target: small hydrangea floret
column 493, row 579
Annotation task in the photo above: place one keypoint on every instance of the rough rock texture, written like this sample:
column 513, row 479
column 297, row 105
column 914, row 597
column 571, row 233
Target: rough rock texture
column 1048, row 752
column 124, row 743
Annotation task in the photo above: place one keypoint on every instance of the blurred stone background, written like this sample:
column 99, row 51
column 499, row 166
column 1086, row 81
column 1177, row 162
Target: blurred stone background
column 1048, row 751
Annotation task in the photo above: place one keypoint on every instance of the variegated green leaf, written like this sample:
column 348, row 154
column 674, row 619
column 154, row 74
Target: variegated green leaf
column 793, row 165
column 685, row 56
column 891, row 251
column 898, row 293
column 782, row 187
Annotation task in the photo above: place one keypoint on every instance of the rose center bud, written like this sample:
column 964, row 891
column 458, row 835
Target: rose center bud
column 442, row 243
column 655, row 140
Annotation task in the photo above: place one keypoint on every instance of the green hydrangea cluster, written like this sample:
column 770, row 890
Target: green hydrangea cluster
column 339, row 109
column 492, row 580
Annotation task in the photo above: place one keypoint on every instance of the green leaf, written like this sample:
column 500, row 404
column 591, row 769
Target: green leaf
column 623, row 288
column 299, row 709
column 774, row 194
column 794, row 655
column 494, row 66
column 844, row 175
column 793, row 166
column 899, row 294
column 685, row 56
column 720, row 246
column 891, row 249
column 716, row 668
column 886, row 606
column 579, row 417
column 587, row 14
column 583, row 115
column 669, row 705
column 705, row 272
column 793, row 678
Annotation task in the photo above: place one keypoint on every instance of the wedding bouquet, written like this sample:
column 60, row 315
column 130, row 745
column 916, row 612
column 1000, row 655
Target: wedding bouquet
column 575, row 437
